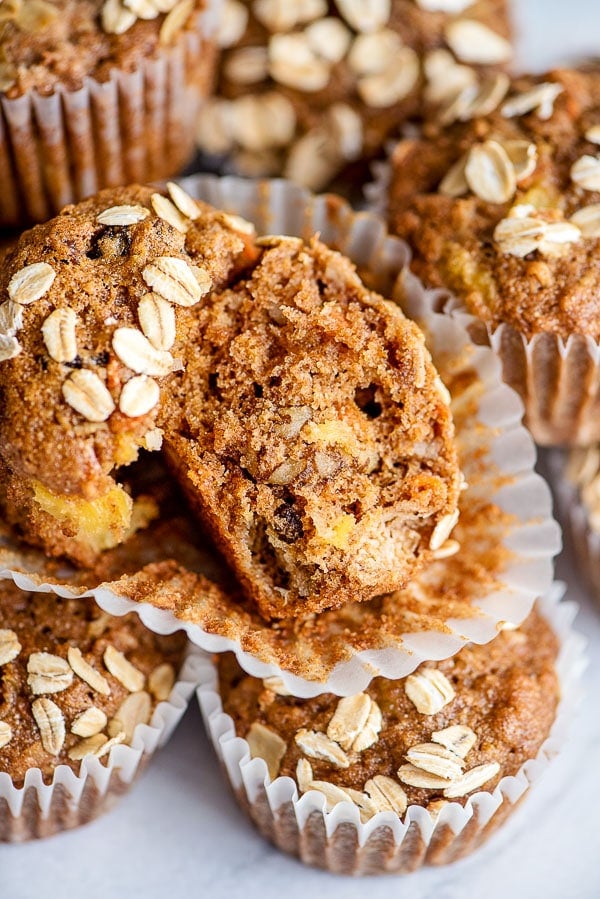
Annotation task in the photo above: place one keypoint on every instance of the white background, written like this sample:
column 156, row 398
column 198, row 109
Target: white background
column 180, row 834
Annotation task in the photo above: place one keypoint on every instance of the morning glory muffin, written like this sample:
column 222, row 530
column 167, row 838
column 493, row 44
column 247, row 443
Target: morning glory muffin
column 96, row 93
column 313, row 88
column 76, row 683
column 416, row 749
column 301, row 412
column 499, row 199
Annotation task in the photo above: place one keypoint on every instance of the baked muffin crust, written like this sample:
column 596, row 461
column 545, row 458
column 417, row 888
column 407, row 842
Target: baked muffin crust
column 502, row 208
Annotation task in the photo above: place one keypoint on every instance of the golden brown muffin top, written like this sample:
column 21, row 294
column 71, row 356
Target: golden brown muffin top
column 315, row 434
column 501, row 206
column 78, row 295
column 308, row 87
column 45, row 43
column 443, row 732
column 74, row 681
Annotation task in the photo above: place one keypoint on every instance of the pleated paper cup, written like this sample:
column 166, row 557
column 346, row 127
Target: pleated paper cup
column 136, row 126
column 338, row 840
column 558, row 380
column 40, row 809
column 576, row 480
column 180, row 584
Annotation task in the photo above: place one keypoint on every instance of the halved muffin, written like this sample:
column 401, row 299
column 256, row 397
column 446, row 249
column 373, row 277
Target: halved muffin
column 301, row 411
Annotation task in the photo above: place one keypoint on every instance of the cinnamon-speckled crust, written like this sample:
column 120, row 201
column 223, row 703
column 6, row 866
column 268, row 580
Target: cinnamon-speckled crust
column 98, row 274
column 453, row 237
column 67, row 43
column 357, row 136
column 315, row 440
column 45, row 623
column 506, row 692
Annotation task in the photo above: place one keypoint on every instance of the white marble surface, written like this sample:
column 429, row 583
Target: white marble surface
column 179, row 833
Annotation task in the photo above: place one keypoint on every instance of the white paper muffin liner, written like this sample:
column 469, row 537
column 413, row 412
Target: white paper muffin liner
column 558, row 380
column 39, row 809
column 135, row 126
column 494, row 432
column 338, row 840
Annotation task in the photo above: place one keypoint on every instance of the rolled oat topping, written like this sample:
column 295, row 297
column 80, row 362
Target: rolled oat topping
column 121, row 216
column 48, row 673
column 31, row 283
column 51, row 724
column 9, row 646
column 126, row 673
column 175, row 281
column 87, row 394
column 118, row 16
column 266, row 744
column 369, row 56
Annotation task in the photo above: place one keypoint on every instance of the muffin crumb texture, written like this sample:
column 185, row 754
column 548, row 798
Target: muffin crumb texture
column 321, row 455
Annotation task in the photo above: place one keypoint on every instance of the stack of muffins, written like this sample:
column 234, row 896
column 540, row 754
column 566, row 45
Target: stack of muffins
column 214, row 414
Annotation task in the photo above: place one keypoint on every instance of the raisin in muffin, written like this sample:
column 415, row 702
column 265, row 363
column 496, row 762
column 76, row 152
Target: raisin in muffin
column 309, row 89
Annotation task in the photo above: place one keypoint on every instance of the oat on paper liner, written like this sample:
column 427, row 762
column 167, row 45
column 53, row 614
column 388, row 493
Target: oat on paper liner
column 39, row 809
column 506, row 533
column 338, row 840
column 558, row 380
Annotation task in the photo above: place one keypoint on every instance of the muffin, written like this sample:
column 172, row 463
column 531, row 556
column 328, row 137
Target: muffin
column 312, row 89
column 76, row 684
column 500, row 207
column 408, row 758
column 93, row 94
column 316, row 439
column 301, row 411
